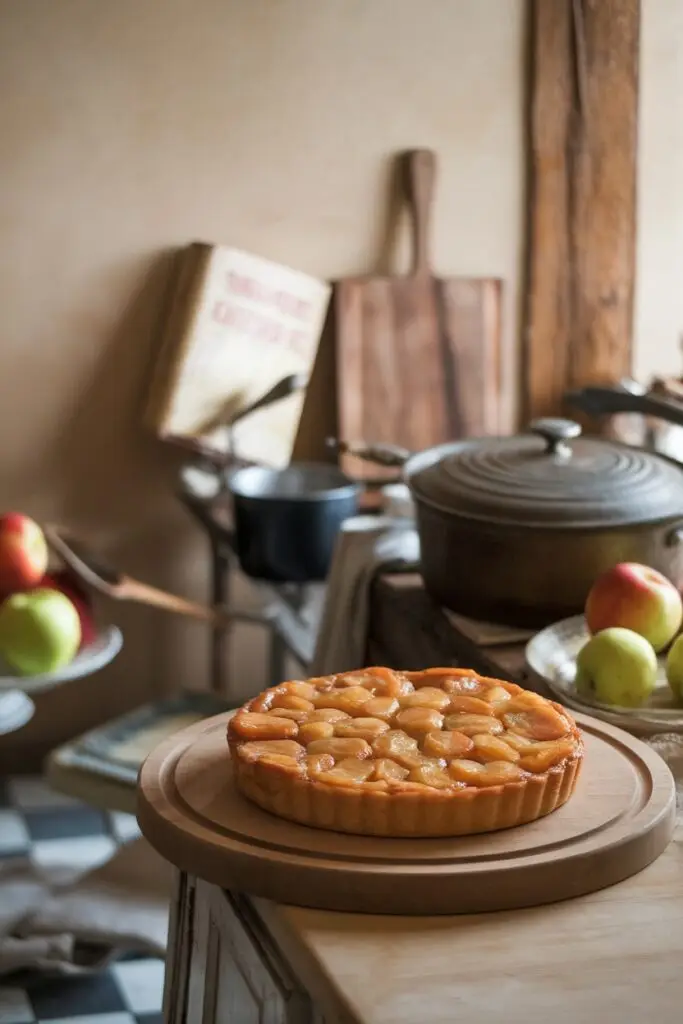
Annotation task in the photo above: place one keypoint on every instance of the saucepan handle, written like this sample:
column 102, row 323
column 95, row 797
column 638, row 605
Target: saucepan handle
column 608, row 401
column 392, row 456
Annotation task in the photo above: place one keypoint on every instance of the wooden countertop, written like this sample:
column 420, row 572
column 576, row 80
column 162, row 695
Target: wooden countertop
column 616, row 955
column 613, row 955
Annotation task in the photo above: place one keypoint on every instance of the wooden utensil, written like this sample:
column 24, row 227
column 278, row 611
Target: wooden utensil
column 417, row 355
column 121, row 587
column 618, row 821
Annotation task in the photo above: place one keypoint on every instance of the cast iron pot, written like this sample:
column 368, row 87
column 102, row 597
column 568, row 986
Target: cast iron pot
column 287, row 520
column 515, row 529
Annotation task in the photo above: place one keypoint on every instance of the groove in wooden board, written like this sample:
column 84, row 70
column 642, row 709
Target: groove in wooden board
column 619, row 820
column 420, row 361
column 472, row 309
column 377, row 319
column 211, row 800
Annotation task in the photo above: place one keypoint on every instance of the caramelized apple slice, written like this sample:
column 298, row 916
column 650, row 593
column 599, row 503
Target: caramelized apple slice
column 350, row 700
column 398, row 746
column 319, row 763
column 298, row 688
column 340, row 748
column 381, row 707
column 345, row 679
column 473, row 724
column 496, row 773
column 523, row 699
column 385, row 683
column 469, row 705
column 538, row 723
column 310, row 731
column 387, row 770
column 292, row 702
column 349, row 771
column 283, row 763
column 327, row 715
column 426, row 697
column 418, row 721
column 517, row 742
column 496, row 695
column 542, row 756
column 367, row 728
column 256, row 749
column 293, row 716
column 431, row 773
column 321, row 684
column 467, row 685
column 252, row 725
column 492, row 748
column 446, row 744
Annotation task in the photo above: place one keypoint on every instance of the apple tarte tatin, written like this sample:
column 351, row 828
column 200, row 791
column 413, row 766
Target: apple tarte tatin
column 442, row 752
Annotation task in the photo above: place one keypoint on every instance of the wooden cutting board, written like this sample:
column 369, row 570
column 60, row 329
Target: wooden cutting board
column 620, row 818
column 418, row 356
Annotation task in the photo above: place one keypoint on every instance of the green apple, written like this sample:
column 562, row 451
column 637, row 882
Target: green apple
column 617, row 666
column 674, row 668
column 40, row 631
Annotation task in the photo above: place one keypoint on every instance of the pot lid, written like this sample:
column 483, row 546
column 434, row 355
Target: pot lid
column 550, row 476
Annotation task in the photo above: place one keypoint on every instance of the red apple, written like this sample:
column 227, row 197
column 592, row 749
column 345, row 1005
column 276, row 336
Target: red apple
column 70, row 585
column 638, row 598
column 23, row 553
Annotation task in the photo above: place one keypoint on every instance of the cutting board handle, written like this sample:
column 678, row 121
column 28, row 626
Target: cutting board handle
column 419, row 178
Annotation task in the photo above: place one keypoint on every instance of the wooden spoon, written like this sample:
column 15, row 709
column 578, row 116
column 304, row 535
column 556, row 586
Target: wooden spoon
column 122, row 587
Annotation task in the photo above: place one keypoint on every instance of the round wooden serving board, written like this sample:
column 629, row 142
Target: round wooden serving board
column 618, row 821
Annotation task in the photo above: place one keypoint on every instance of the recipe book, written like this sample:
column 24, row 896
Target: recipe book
column 236, row 324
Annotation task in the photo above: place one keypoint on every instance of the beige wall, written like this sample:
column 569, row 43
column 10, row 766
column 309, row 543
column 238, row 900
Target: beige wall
column 659, row 291
column 129, row 128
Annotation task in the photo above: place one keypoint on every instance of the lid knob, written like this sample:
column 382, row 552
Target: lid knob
column 556, row 432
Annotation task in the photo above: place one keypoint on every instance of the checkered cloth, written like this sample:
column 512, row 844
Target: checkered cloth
column 67, row 838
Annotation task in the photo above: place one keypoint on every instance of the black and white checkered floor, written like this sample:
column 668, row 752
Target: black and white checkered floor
column 57, row 832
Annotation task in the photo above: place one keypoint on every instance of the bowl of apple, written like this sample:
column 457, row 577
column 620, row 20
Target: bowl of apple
column 48, row 629
column 622, row 660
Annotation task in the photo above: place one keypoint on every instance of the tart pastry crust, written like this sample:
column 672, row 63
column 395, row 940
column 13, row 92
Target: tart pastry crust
column 441, row 752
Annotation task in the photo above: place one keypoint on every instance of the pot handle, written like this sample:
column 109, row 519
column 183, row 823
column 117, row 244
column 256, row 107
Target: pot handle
column 389, row 455
column 608, row 401
column 674, row 537
column 557, row 433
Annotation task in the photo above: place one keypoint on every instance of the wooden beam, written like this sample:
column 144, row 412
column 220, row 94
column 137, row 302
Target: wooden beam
column 582, row 227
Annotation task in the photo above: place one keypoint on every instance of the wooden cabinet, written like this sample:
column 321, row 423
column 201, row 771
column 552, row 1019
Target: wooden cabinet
column 223, row 968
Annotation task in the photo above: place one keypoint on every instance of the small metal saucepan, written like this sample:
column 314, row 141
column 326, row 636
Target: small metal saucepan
column 285, row 520
column 516, row 529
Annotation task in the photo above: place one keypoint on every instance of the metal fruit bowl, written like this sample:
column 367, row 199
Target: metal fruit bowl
column 551, row 655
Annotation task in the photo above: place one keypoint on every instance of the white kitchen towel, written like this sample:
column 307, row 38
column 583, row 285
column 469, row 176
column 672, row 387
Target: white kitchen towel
column 365, row 546
column 119, row 907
